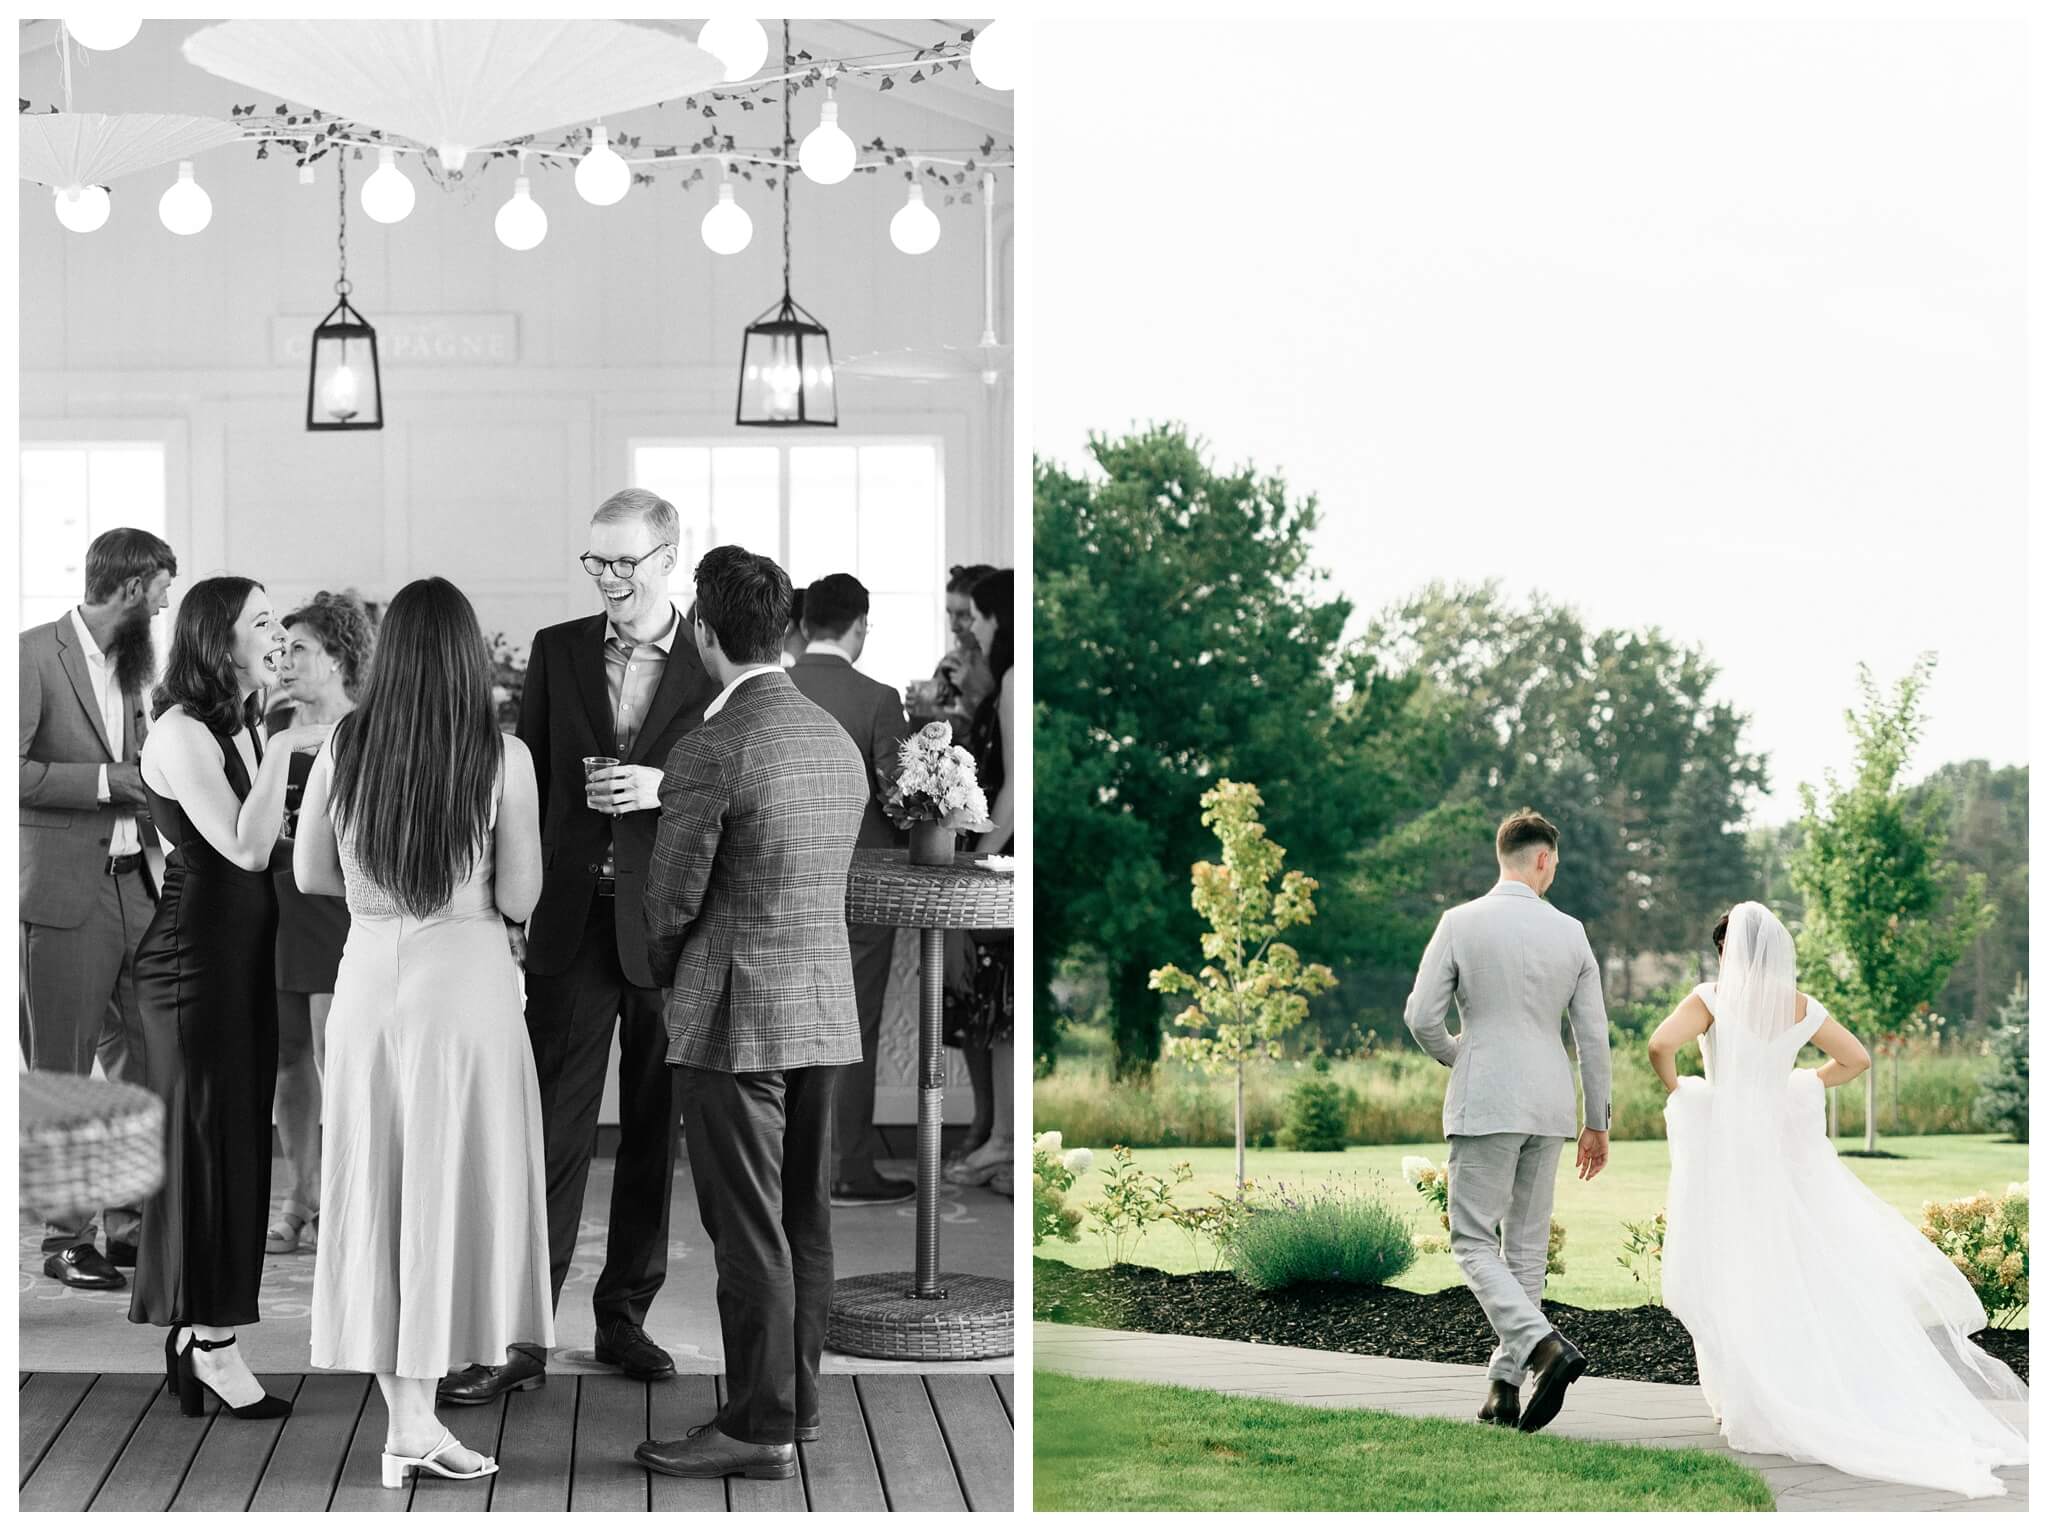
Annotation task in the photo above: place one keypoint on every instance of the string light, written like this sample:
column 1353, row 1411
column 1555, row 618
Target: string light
column 522, row 222
column 991, row 58
column 103, row 34
column 726, row 228
column 602, row 178
column 739, row 43
column 915, row 228
column 827, row 154
column 185, row 208
column 82, row 209
column 387, row 195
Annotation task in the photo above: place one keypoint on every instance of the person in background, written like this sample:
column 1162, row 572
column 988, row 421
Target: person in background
column 86, row 889
column 963, row 674
column 836, row 628
column 205, row 985
column 991, row 739
column 327, row 656
column 794, row 643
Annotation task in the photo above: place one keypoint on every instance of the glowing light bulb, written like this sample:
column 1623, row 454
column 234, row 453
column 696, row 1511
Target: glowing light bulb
column 827, row 154
column 103, row 34
column 991, row 58
column 387, row 195
column 522, row 222
column 739, row 43
column 915, row 228
column 185, row 208
column 342, row 396
column 601, row 176
column 83, row 209
column 727, row 228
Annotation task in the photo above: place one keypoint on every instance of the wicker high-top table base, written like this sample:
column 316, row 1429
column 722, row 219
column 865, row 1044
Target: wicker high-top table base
column 926, row 1315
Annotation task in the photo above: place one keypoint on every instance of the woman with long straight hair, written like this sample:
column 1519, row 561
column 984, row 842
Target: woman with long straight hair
column 433, row 1251
column 203, row 987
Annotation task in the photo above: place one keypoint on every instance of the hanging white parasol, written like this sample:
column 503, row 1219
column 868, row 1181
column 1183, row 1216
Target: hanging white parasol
column 455, row 86
column 70, row 149
column 987, row 360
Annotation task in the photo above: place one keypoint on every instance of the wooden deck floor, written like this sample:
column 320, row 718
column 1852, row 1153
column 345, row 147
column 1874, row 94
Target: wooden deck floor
column 896, row 1441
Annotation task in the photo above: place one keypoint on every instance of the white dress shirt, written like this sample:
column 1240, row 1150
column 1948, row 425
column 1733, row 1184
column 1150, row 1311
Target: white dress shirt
column 827, row 646
column 126, row 839
column 719, row 701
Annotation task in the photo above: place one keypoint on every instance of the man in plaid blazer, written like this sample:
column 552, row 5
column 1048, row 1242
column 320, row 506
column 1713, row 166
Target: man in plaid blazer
column 746, row 929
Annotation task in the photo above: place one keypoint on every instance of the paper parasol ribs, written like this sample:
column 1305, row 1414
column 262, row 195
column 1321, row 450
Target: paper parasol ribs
column 457, row 86
column 65, row 150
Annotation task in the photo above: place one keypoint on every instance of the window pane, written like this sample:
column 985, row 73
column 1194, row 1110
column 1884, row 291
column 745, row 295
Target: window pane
column 70, row 493
column 126, row 488
column 746, row 499
column 899, row 517
column 824, row 535
column 901, row 645
column 682, row 476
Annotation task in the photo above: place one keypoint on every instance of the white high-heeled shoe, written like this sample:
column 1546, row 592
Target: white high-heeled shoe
column 396, row 1468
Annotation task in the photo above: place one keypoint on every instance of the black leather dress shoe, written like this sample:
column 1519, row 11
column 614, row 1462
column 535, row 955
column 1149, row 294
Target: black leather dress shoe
column 1503, row 1404
column 122, row 1255
column 487, row 1384
column 875, row 1191
column 707, row 1452
column 1554, row 1365
column 84, row 1267
column 627, row 1347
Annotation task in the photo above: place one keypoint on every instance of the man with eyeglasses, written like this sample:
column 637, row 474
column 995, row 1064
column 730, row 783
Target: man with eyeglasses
column 617, row 690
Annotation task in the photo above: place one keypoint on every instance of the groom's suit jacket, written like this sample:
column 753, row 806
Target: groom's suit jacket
column 565, row 714
column 746, row 897
column 1515, row 966
column 65, row 829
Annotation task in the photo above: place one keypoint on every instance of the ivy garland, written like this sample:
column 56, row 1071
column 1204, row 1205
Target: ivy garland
column 314, row 135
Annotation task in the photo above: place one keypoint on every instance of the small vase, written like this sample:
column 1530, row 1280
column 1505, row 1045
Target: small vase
column 931, row 845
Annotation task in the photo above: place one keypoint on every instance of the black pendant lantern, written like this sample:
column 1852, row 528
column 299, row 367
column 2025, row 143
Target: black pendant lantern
column 786, row 359
column 343, row 390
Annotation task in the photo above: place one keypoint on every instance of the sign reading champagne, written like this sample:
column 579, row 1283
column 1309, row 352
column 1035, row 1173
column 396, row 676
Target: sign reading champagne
column 413, row 340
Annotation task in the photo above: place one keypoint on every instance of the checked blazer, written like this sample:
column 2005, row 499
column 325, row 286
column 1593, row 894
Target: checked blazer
column 746, row 894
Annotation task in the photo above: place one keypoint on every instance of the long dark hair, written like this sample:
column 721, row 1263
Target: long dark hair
column 992, row 597
column 416, row 764
column 200, row 674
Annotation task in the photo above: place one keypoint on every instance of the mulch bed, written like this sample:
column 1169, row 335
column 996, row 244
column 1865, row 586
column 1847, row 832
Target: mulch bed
column 1642, row 1344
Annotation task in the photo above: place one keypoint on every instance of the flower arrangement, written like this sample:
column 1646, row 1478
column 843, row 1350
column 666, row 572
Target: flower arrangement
column 1053, row 1172
column 508, row 679
column 935, row 783
column 1985, row 1237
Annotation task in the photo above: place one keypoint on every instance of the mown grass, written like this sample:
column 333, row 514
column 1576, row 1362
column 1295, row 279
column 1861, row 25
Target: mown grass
column 1102, row 1445
column 1630, row 1189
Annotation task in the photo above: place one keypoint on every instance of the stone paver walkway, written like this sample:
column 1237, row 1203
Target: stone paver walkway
column 1597, row 1408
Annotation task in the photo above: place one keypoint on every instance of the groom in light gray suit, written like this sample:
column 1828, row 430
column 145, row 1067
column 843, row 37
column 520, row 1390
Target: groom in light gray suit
column 1515, row 966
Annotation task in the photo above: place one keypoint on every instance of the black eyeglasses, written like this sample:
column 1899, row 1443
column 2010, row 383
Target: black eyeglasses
column 622, row 568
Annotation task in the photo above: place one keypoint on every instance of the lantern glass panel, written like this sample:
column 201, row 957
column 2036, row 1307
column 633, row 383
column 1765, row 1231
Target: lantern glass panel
column 344, row 392
column 786, row 372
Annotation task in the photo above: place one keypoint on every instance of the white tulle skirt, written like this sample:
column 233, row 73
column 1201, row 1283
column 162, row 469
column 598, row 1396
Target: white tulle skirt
column 1828, row 1328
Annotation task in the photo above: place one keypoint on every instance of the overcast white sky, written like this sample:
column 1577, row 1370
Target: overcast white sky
column 1718, row 326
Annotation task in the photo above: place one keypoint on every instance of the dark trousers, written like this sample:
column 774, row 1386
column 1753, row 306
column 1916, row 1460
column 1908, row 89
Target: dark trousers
column 853, row 1098
column 761, row 1156
column 78, row 1003
column 569, row 1019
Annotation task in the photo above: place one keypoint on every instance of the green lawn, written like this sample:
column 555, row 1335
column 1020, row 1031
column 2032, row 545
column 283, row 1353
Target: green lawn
column 1631, row 1188
column 1137, row 1446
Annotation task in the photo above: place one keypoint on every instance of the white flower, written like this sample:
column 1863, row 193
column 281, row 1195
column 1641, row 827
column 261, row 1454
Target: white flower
column 1079, row 1160
column 1046, row 1143
column 1412, row 1167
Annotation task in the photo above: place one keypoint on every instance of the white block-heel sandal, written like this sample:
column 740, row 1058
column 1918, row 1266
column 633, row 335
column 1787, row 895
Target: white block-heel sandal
column 397, row 1468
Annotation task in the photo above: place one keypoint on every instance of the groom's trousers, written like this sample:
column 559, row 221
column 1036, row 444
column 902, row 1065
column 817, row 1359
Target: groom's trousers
column 1501, row 1188
column 760, row 1149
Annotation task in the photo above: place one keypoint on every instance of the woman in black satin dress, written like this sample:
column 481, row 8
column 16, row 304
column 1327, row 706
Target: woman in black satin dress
column 203, row 979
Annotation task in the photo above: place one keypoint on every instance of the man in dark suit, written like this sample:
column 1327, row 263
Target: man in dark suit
column 836, row 629
column 746, row 926
column 625, row 684
column 87, row 889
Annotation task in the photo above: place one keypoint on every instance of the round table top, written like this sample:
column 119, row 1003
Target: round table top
column 883, row 888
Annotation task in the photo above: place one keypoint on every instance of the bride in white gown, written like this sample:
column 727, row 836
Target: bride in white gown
column 1828, row 1329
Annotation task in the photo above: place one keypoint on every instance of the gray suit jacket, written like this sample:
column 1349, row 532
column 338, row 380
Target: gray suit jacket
column 1515, row 965
column 65, row 829
column 872, row 715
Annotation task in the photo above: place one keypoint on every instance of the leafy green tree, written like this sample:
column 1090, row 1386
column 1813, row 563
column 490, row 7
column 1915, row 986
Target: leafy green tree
column 1183, row 636
column 2002, row 1098
column 1987, row 827
column 1886, row 914
column 1253, row 988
